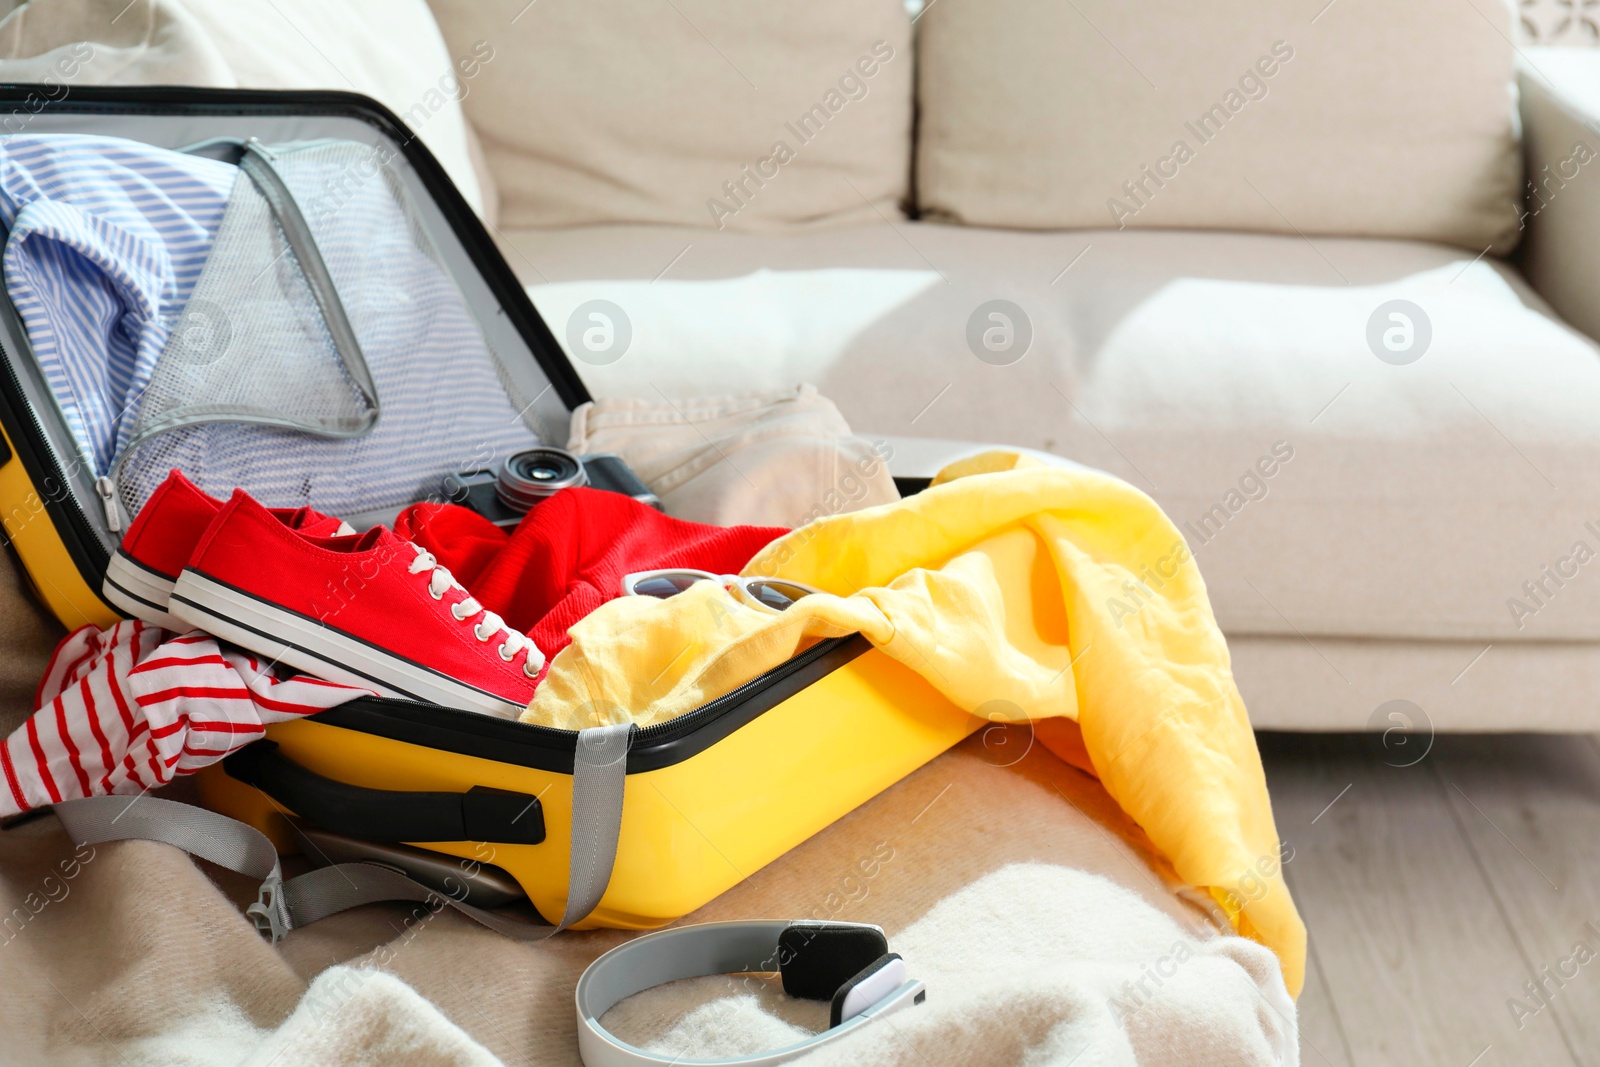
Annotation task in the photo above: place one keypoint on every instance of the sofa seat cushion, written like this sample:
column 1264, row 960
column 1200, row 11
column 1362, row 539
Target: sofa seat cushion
column 1324, row 490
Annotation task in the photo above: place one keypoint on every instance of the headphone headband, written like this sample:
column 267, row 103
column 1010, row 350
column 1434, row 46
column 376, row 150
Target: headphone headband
column 847, row 963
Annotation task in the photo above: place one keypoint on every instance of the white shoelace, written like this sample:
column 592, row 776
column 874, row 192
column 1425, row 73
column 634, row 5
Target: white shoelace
column 440, row 581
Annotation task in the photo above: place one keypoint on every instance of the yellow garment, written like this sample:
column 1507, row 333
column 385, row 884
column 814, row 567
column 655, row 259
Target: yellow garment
column 1007, row 585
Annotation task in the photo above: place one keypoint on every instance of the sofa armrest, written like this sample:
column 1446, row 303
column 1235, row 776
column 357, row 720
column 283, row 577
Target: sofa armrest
column 1560, row 94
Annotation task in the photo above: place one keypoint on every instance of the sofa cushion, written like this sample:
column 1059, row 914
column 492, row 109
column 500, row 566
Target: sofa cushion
column 717, row 113
column 1357, row 117
column 1234, row 377
column 282, row 44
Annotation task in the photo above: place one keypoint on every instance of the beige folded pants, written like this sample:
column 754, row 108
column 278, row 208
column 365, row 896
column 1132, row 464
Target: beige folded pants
column 776, row 458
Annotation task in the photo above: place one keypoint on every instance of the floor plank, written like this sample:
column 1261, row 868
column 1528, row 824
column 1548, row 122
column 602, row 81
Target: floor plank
column 1322, row 1036
column 1412, row 946
column 1530, row 807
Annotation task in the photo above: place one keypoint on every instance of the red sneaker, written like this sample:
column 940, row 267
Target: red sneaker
column 160, row 540
column 369, row 610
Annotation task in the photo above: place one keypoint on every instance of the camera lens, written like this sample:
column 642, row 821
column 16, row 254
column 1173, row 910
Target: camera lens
column 528, row 477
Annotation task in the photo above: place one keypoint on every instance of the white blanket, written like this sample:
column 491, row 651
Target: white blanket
column 981, row 875
column 1032, row 964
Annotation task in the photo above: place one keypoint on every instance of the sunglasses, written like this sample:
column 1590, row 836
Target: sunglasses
column 773, row 593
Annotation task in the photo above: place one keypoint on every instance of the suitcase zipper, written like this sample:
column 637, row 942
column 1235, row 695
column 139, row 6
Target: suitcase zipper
column 106, row 489
column 690, row 721
column 662, row 733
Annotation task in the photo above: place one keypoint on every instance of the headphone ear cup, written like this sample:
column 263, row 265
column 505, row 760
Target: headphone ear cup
column 871, row 984
column 814, row 958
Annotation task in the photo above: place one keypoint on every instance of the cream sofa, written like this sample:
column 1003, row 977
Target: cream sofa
column 1384, row 509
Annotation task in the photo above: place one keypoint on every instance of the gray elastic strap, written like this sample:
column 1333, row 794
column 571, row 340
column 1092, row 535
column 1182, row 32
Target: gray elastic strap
column 256, row 163
column 599, row 775
column 203, row 833
column 224, row 841
column 599, row 772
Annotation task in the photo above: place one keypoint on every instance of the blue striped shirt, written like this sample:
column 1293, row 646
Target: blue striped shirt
column 106, row 240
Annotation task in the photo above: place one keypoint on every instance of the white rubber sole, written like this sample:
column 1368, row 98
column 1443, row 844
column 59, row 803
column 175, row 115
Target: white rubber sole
column 140, row 593
column 288, row 637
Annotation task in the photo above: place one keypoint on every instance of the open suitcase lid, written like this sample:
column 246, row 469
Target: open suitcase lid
column 532, row 361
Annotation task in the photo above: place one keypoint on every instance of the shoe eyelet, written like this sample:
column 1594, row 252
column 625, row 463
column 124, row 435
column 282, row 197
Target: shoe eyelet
column 504, row 656
column 529, row 669
column 436, row 596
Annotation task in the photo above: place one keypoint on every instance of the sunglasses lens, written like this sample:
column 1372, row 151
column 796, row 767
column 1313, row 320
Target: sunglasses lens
column 662, row 586
column 776, row 594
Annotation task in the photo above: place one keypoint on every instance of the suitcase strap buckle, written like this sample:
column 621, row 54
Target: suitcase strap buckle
column 270, row 912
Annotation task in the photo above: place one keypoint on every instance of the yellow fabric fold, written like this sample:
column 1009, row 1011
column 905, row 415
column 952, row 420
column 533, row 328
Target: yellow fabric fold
column 1018, row 590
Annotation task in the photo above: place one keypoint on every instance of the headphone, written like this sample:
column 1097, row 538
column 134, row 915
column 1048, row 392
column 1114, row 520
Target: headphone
column 848, row 964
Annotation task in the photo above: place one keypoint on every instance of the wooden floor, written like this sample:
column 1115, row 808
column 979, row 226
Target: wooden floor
column 1435, row 892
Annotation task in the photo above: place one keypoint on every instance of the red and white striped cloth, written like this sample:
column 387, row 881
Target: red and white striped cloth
column 124, row 710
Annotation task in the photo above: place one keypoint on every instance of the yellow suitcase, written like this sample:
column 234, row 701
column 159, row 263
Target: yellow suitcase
column 708, row 799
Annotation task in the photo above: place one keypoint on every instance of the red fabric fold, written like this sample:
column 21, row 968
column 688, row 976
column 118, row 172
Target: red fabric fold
column 119, row 711
column 570, row 553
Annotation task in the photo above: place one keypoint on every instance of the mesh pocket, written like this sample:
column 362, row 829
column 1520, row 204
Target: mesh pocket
column 253, row 343
column 359, row 410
